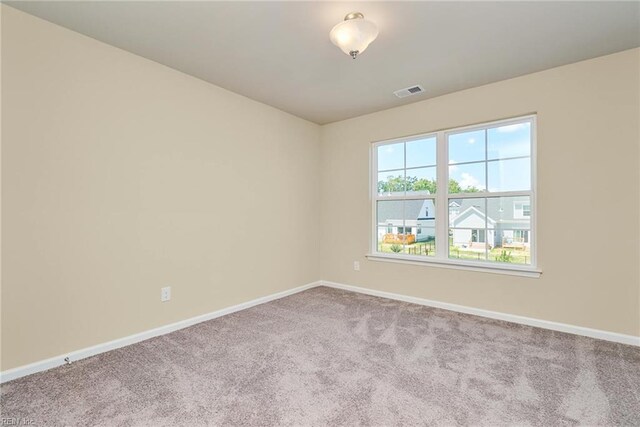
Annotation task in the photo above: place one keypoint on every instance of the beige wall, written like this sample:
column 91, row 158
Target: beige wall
column 588, row 193
column 120, row 176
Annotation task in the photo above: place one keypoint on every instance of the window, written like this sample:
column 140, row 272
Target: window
column 405, row 187
column 478, row 236
column 458, row 197
column 521, row 210
column 521, row 236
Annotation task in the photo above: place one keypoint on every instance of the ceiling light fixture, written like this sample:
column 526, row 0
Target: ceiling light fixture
column 354, row 34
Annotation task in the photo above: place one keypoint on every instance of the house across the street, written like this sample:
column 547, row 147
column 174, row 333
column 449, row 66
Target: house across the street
column 493, row 222
column 409, row 221
column 474, row 223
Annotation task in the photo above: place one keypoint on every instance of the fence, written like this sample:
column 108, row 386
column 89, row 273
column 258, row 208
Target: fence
column 406, row 239
column 421, row 249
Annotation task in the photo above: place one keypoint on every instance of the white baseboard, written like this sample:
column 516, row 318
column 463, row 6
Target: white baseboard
column 545, row 324
column 43, row 365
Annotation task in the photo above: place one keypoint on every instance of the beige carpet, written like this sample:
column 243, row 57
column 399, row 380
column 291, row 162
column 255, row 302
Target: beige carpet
column 330, row 357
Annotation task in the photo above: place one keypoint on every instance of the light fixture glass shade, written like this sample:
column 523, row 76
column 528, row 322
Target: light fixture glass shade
column 354, row 35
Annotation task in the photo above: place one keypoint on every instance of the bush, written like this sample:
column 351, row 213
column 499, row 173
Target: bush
column 396, row 248
column 504, row 257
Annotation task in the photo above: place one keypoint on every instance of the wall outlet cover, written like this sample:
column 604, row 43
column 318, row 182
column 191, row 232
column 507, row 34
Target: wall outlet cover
column 165, row 294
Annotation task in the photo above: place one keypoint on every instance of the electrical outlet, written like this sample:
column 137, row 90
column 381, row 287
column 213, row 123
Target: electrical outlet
column 165, row 294
column 356, row 265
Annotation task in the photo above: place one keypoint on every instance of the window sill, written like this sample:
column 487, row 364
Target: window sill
column 522, row 271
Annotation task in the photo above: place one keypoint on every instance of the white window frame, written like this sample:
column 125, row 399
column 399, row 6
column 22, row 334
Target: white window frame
column 518, row 213
column 441, row 258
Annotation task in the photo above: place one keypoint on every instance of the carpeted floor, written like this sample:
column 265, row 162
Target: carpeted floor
column 330, row 357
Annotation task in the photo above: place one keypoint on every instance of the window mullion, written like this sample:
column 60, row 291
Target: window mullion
column 404, row 202
column 486, row 202
column 442, row 216
column 374, row 214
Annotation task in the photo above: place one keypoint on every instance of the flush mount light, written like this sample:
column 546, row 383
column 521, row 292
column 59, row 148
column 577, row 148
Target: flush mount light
column 354, row 34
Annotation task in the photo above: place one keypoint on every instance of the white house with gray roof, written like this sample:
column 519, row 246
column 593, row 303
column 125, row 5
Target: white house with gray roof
column 475, row 223
column 503, row 222
column 415, row 217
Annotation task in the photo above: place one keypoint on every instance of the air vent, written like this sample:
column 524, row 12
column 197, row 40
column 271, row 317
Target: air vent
column 413, row 90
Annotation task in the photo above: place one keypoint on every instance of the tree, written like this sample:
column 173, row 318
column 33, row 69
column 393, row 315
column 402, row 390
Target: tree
column 424, row 184
column 411, row 183
column 392, row 184
column 454, row 187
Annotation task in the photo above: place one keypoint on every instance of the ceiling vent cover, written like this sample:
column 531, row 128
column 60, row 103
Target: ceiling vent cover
column 412, row 90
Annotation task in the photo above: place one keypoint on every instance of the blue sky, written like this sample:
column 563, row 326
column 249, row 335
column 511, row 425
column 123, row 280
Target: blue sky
column 499, row 143
column 419, row 153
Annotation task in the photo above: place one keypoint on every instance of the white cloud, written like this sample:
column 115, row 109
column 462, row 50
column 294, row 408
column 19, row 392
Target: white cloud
column 469, row 180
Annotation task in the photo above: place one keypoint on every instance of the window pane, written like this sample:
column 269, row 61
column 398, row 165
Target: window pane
column 512, row 217
column 467, row 178
column 421, row 153
column 395, row 239
column 391, row 227
column 388, row 241
column 509, row 141
column 512, row 210
column 470, row 231
column 425, row 243
column 467, row 147
column 406, row 226
column 391, row 156
column 421, row 181
column 391, row 183
column 510, row 175
column 467, row 213
column 390, row 213
column 419, row 215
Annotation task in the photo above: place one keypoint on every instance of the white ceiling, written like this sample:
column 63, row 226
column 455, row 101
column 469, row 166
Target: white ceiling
column 279, row 53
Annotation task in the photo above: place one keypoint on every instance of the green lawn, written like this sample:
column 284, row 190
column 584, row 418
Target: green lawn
column 512, row 256
column 418, row 248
